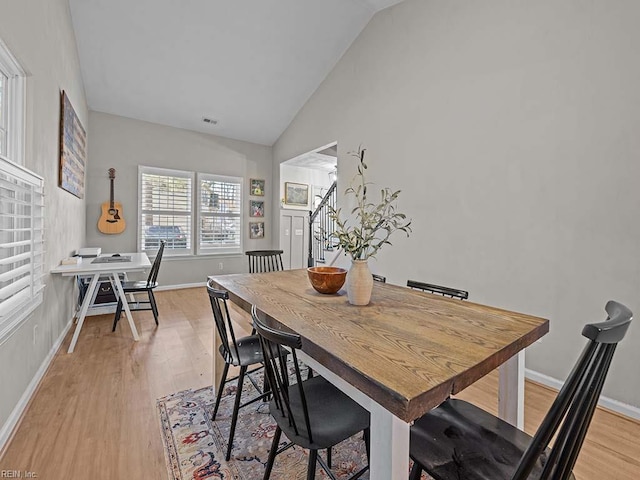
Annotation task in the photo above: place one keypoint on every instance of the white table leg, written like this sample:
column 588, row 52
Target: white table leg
column 116, row 280
column 389, row 454
column 389, row 445
column 88, row 300
column 511, row 391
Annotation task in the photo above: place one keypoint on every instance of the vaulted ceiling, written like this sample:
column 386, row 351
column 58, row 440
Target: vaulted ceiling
column 250, row 65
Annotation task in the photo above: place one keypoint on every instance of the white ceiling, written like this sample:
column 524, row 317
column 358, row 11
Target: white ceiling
column 250, row 64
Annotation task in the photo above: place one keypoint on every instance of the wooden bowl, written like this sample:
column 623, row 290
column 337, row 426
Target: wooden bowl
column 327, row 280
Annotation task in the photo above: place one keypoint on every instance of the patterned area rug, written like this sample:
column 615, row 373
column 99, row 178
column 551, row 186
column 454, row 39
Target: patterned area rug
column 195, row 445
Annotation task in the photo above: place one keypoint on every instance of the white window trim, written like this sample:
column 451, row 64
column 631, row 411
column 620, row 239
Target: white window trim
column 170, row 173
column 16, row 104
column 219, row 250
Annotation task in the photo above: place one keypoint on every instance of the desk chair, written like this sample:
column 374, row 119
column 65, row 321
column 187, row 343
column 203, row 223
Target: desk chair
column 459, row 441
column 438, row 289
column 312, row 413
column 142, row 287
column 240, row 352
column 265, row 260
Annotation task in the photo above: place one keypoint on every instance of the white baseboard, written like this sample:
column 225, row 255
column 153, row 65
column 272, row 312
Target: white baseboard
column 7, row 429
column 606, row 402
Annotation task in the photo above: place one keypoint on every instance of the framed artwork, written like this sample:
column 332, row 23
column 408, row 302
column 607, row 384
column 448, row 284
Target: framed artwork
column 256, row 208
column 73, row 149
column 296, row 194
column 256, row 230
column 256, row 187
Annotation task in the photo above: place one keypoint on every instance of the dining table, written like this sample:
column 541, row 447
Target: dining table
column 399, row 356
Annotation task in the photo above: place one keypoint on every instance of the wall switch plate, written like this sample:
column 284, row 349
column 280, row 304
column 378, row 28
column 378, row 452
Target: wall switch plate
column 221, row 266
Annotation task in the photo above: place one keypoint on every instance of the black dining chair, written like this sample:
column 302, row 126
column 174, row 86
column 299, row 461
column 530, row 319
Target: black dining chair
column 142, row 287
column 241, row 352
column 459, row 441
column 261, row 261
column 438, row 289
column 312, row 413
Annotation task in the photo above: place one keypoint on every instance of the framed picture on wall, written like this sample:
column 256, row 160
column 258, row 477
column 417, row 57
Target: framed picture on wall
column 256, row 187
column 296, row 194
column 256, row 208
column 73, row 149
column 256, row 230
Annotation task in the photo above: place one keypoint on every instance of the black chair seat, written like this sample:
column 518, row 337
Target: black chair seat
column 140, row 286
column 333, row 416
column 312, row 413
column 458, row 441
column 485, row 447
column 249, row 350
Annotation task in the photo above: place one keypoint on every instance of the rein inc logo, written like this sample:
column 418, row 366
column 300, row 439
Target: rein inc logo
column 17, row 474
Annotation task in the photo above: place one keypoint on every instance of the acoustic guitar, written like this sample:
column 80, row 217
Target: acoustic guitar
column 111, row 221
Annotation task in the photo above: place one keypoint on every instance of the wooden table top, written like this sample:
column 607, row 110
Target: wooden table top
column 407, row 350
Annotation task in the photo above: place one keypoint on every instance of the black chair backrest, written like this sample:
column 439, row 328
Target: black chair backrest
column 379, row 278
column 222, row 320
column 155, row 268
column 438, row 289
column 276, row 369
column 265, row 261
column 574, row 406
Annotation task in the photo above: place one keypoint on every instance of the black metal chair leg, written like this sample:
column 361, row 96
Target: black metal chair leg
column 236, row 407
column 116, row 319
column 311, row 469
column 329, row 457
column 154, row 306
column 367, row 442
column 416, row 472
column 220, row 388
column 272, row 453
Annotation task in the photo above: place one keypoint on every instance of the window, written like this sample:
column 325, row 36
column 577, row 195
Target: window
column 12, row 101
column 165, row 210
column 202, row 216
column 21, row 244
column 220, row 209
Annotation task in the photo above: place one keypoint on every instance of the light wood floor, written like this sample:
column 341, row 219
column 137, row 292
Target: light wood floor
column 94, row 414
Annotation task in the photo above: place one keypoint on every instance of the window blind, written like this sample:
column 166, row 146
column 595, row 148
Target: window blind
column 21, row 244
column 165, row 210
column 220, row 209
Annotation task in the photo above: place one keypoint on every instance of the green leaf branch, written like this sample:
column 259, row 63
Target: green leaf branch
column 371, row 223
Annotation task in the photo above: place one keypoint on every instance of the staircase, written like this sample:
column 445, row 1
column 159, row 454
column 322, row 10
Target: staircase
column 321, row 228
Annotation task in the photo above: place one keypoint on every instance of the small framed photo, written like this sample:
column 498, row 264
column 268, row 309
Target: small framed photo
column 256, row 187
column 256, row 208
column 296, row 194
column 256, row 230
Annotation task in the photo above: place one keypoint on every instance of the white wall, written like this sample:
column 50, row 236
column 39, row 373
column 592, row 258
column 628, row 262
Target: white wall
column 40, row 35
column 511, row 128
column 124, row 143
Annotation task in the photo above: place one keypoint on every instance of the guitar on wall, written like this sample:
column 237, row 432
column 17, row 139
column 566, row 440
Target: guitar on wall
column 111, row 221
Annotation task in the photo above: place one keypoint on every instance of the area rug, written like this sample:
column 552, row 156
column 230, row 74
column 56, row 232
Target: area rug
column 195, row 445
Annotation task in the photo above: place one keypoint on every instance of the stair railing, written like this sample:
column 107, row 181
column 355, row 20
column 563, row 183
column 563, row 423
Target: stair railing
column 321, row 227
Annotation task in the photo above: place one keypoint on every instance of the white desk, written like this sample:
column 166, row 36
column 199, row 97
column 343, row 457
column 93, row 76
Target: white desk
column 139, row 262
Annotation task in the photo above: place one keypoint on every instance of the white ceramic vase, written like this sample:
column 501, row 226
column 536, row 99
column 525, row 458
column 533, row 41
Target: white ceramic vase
column 359, row 283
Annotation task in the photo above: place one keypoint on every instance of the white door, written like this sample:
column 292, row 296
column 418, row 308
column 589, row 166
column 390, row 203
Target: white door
column 294, row 238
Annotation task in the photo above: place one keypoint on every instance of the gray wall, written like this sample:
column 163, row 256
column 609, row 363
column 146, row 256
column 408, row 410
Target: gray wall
column 124, row 143
column 40, row 35
column 511, row 129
